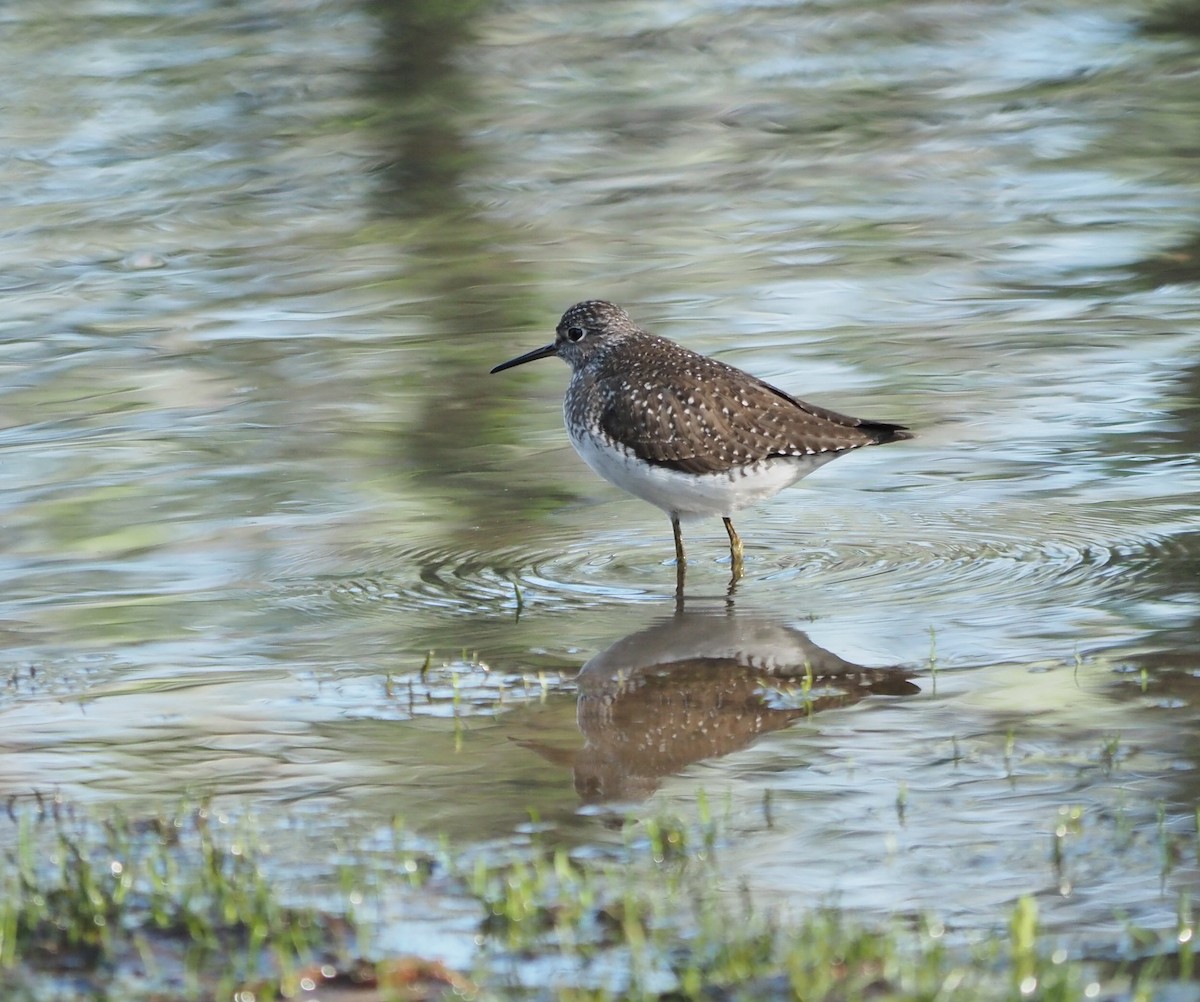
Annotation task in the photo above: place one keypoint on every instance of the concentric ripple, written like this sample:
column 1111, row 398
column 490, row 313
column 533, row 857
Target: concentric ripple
column 997, row 554
column 511, row 579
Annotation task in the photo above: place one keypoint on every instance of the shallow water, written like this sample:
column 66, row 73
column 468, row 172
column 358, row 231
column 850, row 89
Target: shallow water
column 275, row 535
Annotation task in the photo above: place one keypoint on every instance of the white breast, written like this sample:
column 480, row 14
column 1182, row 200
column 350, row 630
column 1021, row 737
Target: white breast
column 687, row 495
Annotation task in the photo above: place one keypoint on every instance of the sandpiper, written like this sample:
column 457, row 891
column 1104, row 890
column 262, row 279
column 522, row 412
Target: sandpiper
column 685, row 432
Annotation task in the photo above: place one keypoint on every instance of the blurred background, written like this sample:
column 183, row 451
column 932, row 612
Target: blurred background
column 273, row 534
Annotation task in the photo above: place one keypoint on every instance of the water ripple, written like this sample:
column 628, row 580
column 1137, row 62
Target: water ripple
column 1037, row 548
column 1012, row 553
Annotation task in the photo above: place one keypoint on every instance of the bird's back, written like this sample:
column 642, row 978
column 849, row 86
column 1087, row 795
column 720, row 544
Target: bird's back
column 683, row 411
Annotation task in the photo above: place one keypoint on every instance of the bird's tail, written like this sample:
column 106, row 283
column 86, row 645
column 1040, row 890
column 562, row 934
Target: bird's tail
column 882, row 432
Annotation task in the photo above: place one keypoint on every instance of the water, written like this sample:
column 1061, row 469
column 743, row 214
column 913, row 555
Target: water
column 275, row 535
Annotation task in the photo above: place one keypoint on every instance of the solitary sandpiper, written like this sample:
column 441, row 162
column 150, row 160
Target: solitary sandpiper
column 687, row 433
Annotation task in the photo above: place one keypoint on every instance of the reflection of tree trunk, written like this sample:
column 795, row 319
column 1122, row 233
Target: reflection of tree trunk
column 1173, row 17
column 696, row 687
column 1168, row 568
column 456, row 260
column 421, row 95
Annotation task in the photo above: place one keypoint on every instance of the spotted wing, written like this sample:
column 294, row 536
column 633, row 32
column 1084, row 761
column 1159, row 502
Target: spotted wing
column 726, row 419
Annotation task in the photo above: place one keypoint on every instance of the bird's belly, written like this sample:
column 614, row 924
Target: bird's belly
column 692, row 495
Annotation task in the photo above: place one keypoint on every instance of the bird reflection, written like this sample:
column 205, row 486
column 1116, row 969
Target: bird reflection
column 697, row 686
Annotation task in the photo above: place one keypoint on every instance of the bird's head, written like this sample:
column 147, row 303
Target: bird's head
column 584, row 328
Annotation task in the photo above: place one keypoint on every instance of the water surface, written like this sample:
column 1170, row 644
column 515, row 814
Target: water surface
column 275, row 535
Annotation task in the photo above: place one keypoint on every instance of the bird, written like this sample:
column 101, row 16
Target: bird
column 688, row 433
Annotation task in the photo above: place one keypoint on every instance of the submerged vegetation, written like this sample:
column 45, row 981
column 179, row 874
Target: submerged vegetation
column 173, row 901
column 191, row 904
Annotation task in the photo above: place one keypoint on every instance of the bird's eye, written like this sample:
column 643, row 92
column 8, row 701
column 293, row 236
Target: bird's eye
column 575, row 333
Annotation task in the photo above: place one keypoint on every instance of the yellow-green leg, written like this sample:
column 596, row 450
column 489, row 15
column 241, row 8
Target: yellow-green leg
column 735, row 550
column 680, row 559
